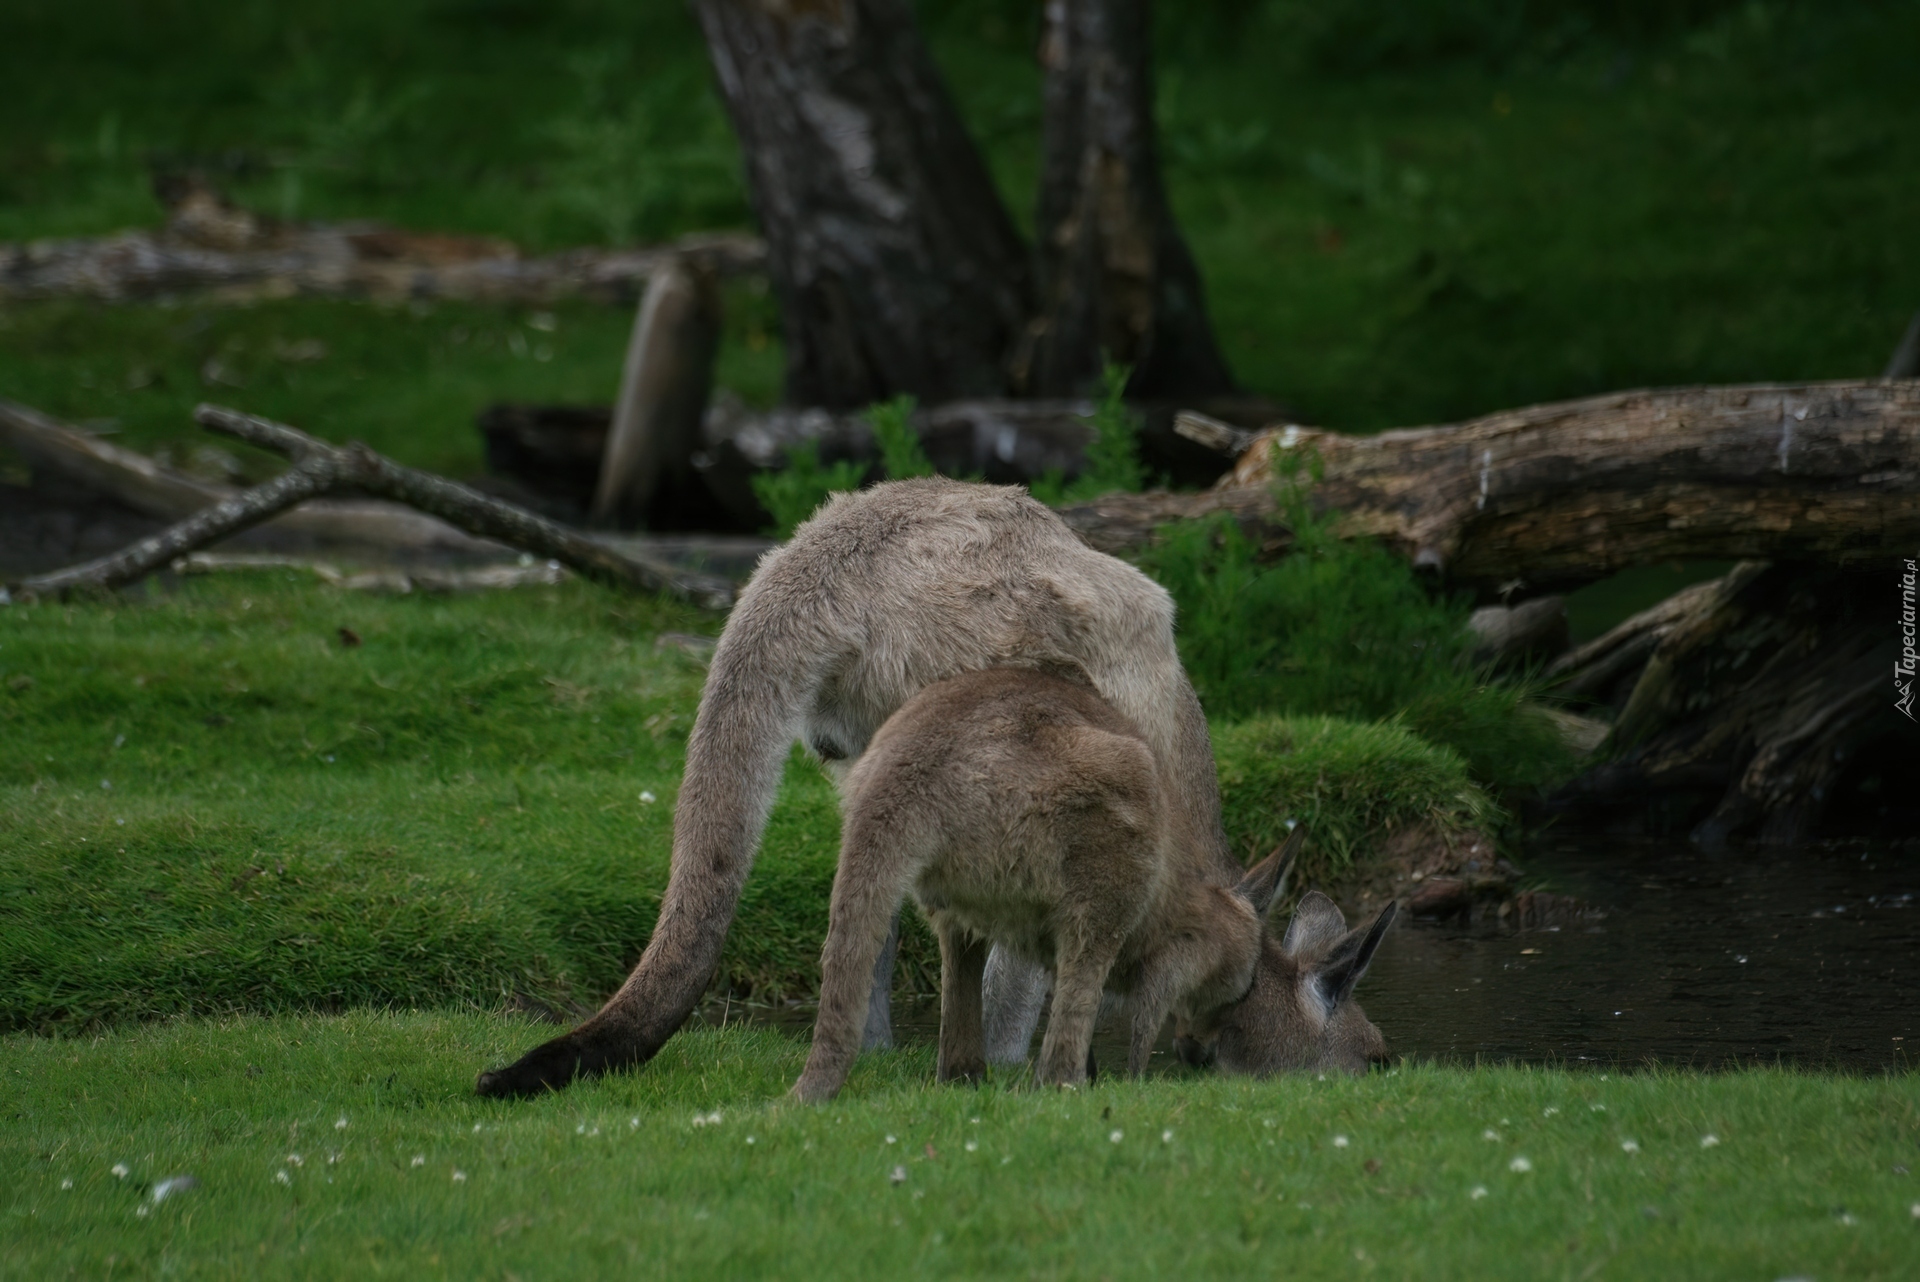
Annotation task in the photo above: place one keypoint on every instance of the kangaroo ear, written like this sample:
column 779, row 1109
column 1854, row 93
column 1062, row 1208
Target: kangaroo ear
column 1316, row 925
column 1262, row 884
column 1344, row 966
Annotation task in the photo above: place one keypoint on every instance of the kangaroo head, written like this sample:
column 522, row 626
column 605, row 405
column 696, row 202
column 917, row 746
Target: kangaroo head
column 1299, row 1013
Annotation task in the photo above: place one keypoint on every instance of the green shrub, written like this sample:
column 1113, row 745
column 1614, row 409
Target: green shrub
column 1113, row 455
column 901, row 454
column 1340, row 627
column 1351, row 783
column 793, row 493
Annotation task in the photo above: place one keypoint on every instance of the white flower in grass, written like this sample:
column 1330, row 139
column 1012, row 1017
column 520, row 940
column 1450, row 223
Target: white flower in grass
column 140, row 1211
column 120, row 1170
column 1629, row 1146
column 294, row 1159
column 1490, row 1134
column 973, row 1146
column 1006, row 1161
column 476, row 1128
column 751, row 1140
column 333, row 1158
column 647, row 799
column 892, row 1140
column 1479, row 1191
column 973, row 1121
column 580, row 1129
column 1847, row 1220
column 1339, row 1141
column 281, row 1177
column 1116, row 1137
column 1596, row 1108
column 713, row 1118
column 173, row 1184
column 898, row 1175
column 633, row 1123
column 1709, row 1140
column 1913, row 1210
column 68, row 1183
column 1166, row 1137
column 1520, row 1166
column 419, row 1159
column 340, row 1124
column 459, row 1177
column 1549, row 1111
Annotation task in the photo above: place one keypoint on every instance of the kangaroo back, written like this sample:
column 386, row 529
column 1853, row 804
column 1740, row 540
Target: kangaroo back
column 881, row 594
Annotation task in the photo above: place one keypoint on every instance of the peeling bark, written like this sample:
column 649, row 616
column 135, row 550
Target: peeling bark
column 896, row 266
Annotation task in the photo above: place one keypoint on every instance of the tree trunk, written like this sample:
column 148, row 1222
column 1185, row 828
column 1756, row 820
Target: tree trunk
column 1116, row 279
column 1558, row 495
column 895, row 263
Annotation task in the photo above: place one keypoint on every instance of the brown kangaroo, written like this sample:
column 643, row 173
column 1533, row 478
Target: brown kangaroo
column 881, row 594
column 1022, row 810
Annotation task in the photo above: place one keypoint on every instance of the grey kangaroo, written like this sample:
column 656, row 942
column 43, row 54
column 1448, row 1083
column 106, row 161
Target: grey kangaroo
column 1021, row 810
column 881, row 594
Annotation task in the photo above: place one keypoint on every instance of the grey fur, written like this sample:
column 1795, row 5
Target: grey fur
column 1021, row 809
column 881, row 594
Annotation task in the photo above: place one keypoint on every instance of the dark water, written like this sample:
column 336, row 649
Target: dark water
column 1808, row 956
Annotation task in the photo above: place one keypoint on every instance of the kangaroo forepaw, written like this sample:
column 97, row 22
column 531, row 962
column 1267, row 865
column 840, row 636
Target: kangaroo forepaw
column 549, row 1066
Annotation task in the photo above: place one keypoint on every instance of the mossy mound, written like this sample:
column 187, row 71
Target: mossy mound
column 1352, row 783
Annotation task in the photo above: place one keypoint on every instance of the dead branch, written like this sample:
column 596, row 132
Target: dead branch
column 144, row 485
column 469, row 510
column 304, row 480
column 319, row 468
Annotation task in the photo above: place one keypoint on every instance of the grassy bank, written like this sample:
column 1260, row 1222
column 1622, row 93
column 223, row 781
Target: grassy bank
column 327, row 1147
column 211, row 802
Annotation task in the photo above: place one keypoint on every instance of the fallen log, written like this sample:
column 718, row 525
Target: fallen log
column 664, row 387
column 209, row 245
column 319, row 467
column 1558, row 495
column 485, row 578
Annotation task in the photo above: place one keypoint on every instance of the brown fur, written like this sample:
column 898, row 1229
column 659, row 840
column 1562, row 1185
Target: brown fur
column 881, row 594
column 1021, row 809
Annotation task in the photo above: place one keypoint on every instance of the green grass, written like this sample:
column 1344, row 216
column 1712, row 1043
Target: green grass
column 1189, row 1175
column 1474, row 206
column 209, row 804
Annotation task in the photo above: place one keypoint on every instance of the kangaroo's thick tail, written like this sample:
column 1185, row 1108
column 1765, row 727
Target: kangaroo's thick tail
column 749, row 714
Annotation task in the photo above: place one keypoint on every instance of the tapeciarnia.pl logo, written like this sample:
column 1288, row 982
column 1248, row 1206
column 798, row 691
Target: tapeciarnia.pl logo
column 1903, row 667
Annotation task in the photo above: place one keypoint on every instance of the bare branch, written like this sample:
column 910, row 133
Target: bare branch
column 311, row 476
column 472, row 511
